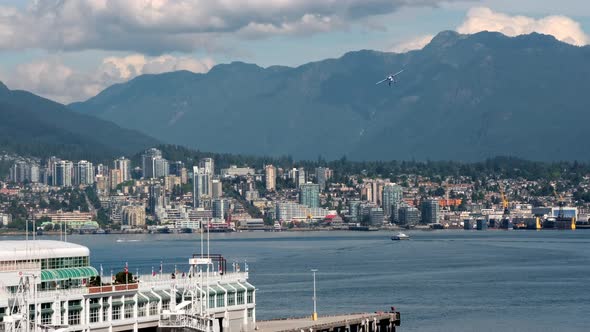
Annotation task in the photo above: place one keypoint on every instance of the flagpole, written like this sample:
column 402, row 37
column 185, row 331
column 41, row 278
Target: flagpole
column 126, row 275
column 101, row 275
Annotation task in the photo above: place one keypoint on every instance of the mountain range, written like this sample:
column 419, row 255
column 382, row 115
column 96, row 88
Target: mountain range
column 32, row 125
column 462, row 97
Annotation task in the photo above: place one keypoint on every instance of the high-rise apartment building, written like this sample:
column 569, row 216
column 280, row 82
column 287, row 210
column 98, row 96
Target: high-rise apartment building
column 161, row 168
column 392, row 193
column 124, row 165
column 220, row 208
column 270, row 177
column 301, row 178
column 176, row 168
column 409, row 215
column 115, row 178
column 216, row 188
column 153, row 165
column 62, row 174
column 83, row 173
column 207, row 165
column 156, row 198
column 200, row 186
column 309, row 195
column 24, row 172
column 102, row 170
column 430, row 211
column 323, row 174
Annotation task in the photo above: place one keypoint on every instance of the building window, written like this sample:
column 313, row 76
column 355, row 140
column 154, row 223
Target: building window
column 141, row 309
column 212, row 301
column 231, row 299
column 105, row 309
column 74, row 317
column 46, row 319
column 128, row 310
column 240, row 298
column 220, row 300
column 250, row 296
column 94, row 315
column 250, row 313
column 116, row 312
column 153, row 308
column 165, row 305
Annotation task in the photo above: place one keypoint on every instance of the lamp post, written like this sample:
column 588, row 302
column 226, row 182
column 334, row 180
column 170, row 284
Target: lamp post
column 315, row 311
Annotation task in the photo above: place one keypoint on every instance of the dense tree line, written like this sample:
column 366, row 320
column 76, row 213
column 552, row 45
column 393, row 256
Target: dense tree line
column 499, row 167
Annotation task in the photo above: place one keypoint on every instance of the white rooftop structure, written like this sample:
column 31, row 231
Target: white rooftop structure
column 39, row 249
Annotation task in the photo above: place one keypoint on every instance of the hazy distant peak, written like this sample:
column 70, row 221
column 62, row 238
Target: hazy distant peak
column 444, row 39
column 3, row 87
column 235, row 66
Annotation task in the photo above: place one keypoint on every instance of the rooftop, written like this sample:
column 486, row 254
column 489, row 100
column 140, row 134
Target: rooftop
column 38, row 249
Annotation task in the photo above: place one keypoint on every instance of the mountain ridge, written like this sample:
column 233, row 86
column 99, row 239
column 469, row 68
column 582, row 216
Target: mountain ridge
column 36, row 126
column 462, row 97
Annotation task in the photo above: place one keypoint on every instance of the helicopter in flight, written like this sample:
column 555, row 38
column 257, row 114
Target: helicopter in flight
column 390, row 78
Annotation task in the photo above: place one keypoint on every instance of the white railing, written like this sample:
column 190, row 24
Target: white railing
column 184, row 321
column 13, row 266
column 60, row 293
column 149, row 281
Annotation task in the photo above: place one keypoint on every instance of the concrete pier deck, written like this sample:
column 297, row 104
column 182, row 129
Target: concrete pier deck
column 364, row 322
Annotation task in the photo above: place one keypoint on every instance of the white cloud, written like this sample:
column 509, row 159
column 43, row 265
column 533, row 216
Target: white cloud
column 52, row 79
column 480, row 19
column 160, row 26
column 416, row 43
column 561, row 27
column 307, row 24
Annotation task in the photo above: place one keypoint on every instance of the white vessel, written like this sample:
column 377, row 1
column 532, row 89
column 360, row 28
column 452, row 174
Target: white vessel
column 400, row 236
column 50, row 286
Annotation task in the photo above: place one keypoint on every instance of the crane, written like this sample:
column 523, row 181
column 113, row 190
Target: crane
column 559, row 197
column 504, row 200
column 506, row 222
column 562, row 220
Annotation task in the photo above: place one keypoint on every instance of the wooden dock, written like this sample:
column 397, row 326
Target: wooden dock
column 365, row 322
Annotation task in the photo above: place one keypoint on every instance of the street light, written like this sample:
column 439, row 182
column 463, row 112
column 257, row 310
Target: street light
column 315, row 311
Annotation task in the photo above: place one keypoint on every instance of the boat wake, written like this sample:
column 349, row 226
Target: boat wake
column 125, row 240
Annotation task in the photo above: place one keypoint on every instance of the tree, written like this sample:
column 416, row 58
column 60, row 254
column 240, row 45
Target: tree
column 94, row 281
column 440, row 191
column 124, row 278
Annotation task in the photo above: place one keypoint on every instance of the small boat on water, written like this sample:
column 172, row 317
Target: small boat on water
column 400, row 236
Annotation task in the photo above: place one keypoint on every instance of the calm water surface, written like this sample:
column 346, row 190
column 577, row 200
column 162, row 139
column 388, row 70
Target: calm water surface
column 439, row 280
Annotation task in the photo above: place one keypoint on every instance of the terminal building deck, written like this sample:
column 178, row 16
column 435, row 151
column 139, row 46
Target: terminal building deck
column 365, row 322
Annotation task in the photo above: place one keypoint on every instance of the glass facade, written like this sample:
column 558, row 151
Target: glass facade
column 64, row 262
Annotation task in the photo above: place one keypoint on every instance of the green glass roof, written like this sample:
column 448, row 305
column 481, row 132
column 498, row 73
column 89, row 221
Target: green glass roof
column 215, row 289
column 68, row 273
column 151, row 297
column 232, row 288
column 163, row 295
column 248, row 285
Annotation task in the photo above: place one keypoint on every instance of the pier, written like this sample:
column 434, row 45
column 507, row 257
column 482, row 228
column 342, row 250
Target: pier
column 364, row 322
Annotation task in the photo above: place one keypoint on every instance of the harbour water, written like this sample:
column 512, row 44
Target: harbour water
column 439, row 280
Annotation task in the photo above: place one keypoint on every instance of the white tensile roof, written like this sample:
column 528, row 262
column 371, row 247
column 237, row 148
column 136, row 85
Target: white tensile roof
column 39, row 249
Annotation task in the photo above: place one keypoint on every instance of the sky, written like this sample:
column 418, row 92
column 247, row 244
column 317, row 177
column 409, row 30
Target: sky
column 70, row 50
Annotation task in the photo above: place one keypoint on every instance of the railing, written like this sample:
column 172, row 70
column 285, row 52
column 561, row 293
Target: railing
column 148, row 281
column 112, row 288
column 62, row 292
column 9, row 266
column 184, row 321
